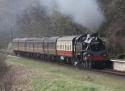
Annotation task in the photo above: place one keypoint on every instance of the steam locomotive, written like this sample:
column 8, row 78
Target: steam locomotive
column 87, row 51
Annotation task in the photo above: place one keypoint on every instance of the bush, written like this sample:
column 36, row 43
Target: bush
column 5, row 74
column 3, row 66
column 121, row 56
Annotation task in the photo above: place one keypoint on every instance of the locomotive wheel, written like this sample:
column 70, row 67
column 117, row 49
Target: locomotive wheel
column 83, row 65
column 86, row 65
column 89, row 65
column 78, row 65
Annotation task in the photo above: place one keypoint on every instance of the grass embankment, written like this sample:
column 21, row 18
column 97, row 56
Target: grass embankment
column 32, row 75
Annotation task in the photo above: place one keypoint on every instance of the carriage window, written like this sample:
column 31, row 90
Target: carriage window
column 38, row 44
column 65, row 47
column 60, row 47
column 69, row 47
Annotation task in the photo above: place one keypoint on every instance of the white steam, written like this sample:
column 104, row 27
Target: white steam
column 84, row 12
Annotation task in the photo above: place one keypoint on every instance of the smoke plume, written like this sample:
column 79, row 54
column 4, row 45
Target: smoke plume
column 84, row 12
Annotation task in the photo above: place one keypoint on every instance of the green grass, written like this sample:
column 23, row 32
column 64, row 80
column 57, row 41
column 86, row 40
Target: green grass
column 45, row 76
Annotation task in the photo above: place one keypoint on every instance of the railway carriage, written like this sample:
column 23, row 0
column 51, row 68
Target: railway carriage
column 19, row 45
column 22, row 44
column 38, row 45
column 50, row 51
column 65, row 47
column 50, row 45
column 30, row 45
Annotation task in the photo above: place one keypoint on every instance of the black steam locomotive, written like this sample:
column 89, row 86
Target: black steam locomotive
column 87, row 51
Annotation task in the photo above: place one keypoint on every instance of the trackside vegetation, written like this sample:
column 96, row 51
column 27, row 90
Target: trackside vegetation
column 36, row 75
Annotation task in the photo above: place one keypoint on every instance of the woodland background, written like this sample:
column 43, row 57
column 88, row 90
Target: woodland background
column 35, row 23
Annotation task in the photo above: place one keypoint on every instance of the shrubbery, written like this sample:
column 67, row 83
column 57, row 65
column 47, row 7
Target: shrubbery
column 3, row 66
column 6, row 75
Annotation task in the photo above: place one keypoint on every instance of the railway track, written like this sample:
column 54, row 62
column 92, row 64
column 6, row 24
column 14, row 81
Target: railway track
column 106, row 71
column 112, row 72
